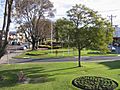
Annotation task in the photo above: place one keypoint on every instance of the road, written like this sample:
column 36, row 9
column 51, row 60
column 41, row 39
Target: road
column 84, row 58
column 13, row 52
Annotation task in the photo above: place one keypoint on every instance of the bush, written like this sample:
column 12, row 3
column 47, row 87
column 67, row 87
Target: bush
column 43, row 46
column 94, row 83
column 54, row 47
column 36, row 53
column 49, row 47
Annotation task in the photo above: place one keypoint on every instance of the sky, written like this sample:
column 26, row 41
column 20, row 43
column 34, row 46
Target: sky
column 104, row 7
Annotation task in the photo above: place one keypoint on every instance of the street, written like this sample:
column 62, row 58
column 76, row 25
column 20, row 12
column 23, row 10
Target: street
column 12, row 52
column 84, row 58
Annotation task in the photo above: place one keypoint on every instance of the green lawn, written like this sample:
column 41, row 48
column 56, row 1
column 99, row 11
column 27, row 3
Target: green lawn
column 56, row 76
column 60, row 53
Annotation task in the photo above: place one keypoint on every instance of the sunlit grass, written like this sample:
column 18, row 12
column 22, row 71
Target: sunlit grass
column 56, row 76
column 58, row 53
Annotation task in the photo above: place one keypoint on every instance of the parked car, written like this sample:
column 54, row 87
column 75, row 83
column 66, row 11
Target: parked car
column 112, row 48
column 26, row 45
column 23, row 47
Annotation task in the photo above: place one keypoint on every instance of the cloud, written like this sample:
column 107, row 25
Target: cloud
column 98, row 5
column 62, row 6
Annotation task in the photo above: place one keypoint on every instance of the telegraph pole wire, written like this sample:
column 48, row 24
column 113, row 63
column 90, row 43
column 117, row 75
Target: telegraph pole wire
column 111, row 19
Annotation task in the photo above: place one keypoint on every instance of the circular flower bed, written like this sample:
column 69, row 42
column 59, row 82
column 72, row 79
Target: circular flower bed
column 94, row 83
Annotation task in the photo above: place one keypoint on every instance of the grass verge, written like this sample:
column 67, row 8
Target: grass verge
column 60, row 53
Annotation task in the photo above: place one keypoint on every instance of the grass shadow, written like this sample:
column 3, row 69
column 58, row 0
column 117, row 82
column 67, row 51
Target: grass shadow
column 112, row 64
column 41, row 80
column 35, row 75
column 61, row 69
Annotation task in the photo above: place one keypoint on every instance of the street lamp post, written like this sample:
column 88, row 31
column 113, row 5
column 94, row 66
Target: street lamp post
column 68, row 45
column 51, row 36
column 62, row 46
column 51, row 15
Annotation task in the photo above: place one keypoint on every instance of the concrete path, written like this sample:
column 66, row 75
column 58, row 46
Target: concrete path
column 8, row 57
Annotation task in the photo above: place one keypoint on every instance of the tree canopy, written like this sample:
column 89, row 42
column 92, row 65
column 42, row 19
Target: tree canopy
column 63, row 28
column 88, row 29
column 29, row 13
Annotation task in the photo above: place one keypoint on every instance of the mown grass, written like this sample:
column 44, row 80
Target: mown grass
column 58, row 53
column 56, row 76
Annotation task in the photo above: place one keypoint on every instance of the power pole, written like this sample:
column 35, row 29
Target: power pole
column 111, row 19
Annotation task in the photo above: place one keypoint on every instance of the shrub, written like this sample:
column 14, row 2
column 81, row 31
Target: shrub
column 49, row 47
column 36, row 53
column 94, row 83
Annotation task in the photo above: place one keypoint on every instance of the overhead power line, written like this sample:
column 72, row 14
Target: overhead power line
column 111, row 19
column 109, row 10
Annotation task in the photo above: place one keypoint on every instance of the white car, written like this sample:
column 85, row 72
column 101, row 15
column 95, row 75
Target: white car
column 112, row 48
column 22, row 47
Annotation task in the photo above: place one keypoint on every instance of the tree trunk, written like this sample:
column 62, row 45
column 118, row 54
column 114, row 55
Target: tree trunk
column 6, row 25
column 33, row 46
column 79, row 57
column 36, row 45
column 2, row 52
column 33, row 43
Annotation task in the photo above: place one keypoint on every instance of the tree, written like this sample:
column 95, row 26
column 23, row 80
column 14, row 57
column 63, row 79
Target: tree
column 43, row 31
column 5, row 27
column 62, row 29
column 28, row 13
column 91, row 30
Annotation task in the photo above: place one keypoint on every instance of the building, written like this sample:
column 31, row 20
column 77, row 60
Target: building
column 16, row 38
column 116, row 36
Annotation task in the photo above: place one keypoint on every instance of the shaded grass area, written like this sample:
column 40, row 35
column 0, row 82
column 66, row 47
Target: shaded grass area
column 116, row 64
column 56, row 76
column 59, row 53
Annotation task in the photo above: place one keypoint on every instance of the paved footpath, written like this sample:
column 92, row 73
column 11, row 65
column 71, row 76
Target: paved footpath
column 8, row 57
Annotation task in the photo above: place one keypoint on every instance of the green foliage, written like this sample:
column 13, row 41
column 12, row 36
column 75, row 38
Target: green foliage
column 94, row 83
column 91, row 30
column 63, row 29
column 84, row 29
column 36, row 53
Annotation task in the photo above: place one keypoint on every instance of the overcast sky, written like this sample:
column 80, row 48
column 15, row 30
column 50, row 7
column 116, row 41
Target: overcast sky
column 104, row 7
